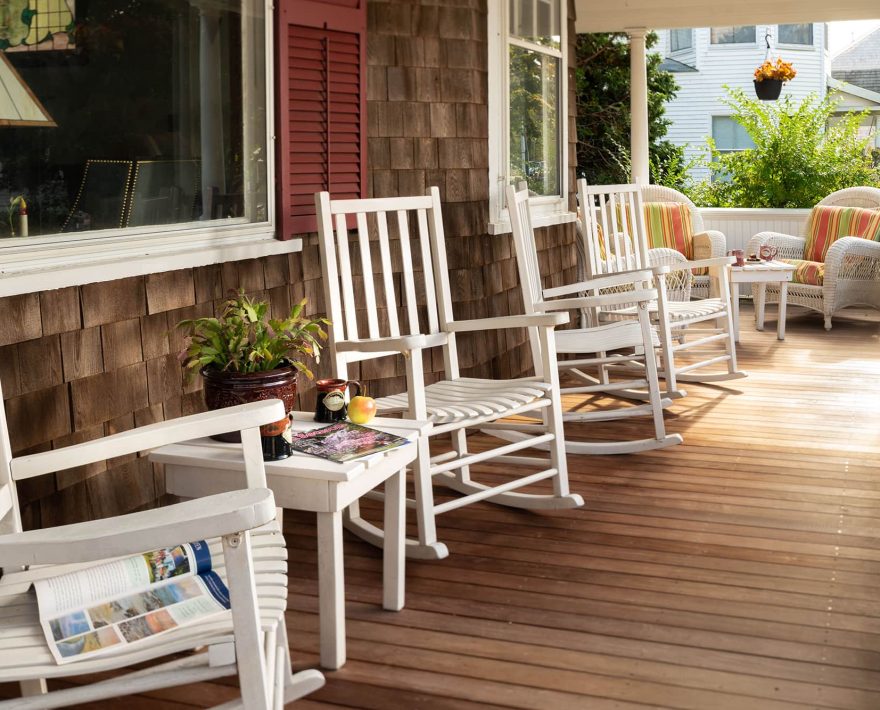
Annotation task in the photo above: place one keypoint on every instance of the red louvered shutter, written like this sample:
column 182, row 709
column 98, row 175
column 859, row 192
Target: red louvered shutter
column 321, row 100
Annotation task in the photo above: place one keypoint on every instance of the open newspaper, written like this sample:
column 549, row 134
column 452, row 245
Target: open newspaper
column 98, row 610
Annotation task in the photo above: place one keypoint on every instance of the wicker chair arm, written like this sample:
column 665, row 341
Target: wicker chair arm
column 853, row 258
column 709, row 244
column 789, row 247
column 678, row 283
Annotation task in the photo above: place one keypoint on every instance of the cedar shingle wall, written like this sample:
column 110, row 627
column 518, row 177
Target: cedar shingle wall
column 79, row 363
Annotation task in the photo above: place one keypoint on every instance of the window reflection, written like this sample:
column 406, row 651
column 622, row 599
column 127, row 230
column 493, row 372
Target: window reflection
column 534, row 138
column 159, row 108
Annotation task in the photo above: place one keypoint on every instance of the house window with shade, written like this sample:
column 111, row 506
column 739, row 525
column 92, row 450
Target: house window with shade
column 528, row 59
column 797, row 35
column 734, row 34
column 681, row 40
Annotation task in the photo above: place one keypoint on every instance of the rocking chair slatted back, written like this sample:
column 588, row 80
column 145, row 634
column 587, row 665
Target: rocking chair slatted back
column 613, row 228
column 399, row 231
column 8, row 498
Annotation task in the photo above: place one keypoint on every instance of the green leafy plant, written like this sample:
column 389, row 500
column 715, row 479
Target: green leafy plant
column 603, row 109
column 244, row 339
column 802, row 152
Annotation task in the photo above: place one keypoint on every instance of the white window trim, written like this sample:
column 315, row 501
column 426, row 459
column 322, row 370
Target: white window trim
column 547, row 210
column 48, row 262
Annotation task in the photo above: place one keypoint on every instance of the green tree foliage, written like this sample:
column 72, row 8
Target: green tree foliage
column 603, row 111
column 801, row 154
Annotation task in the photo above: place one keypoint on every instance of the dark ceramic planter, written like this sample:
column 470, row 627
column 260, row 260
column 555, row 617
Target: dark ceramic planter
column 769, row 89
column 227, row 389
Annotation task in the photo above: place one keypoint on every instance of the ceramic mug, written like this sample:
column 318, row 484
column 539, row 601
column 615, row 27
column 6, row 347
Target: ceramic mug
column 740, row 257
column 767, row 252
column 332, row 405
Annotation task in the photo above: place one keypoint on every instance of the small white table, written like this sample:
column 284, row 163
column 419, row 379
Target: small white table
column 761, row 273
column 301, row 482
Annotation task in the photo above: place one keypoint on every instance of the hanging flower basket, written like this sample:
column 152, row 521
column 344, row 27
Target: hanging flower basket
column 769, row 78
column 768, row 89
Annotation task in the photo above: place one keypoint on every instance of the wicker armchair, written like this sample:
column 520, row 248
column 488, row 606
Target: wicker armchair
column 852, row 265
column 708, row 243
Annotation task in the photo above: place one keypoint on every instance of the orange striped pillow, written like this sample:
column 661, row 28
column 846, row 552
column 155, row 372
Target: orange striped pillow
column 811, row 273
column 828, row 224
column 669, row 225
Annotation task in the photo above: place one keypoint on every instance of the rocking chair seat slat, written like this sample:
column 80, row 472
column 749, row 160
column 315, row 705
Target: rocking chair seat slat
column 611, row 336
column 676, row 310
column 470, row 398
column 24, row 652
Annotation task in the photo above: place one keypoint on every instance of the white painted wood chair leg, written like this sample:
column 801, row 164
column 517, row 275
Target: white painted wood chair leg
column 394, row 553
column 760, row 300
column 252, row 672
column 459, row 444
column 30, row 688
column 734, row 305
column 331, row 590
column 783, row 299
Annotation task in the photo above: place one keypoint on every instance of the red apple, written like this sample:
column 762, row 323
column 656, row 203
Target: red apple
column 361, row 409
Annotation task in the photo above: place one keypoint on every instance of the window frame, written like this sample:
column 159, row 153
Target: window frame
column 715, row 140
column 750, row 43
column 796, row 45
column 687, row 48
column 38, row 263
column 545, row 209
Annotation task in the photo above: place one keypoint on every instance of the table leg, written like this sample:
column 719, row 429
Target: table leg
column 394, row 553
column 783, row 298
column 760, row 299
column 331, row 590
column 734, row 303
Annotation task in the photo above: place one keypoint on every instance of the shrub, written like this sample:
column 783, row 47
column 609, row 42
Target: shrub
column 800, row 155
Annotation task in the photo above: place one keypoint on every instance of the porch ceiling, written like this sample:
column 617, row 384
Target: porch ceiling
column 601, row 16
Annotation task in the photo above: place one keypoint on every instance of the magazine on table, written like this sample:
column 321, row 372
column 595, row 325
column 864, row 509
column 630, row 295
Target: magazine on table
column 344, row 441
column 99, row 610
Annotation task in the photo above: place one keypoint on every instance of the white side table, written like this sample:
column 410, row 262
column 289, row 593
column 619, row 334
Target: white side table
column 204, row 466
column 761, row 273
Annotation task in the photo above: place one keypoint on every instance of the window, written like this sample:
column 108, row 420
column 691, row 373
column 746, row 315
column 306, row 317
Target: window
column 730, row 136
column 154, row 118
column 528, row 55
column 681, row 39
column 738, row 34
column 796, row 34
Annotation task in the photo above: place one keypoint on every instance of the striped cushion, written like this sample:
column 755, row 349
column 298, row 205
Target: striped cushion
column 669, row 225
column 828, row 224
column 810, row 273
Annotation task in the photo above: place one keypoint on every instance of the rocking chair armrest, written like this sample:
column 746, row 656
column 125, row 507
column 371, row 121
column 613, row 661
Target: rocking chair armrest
column 199, row 519
column 546, row 320
column 400, row 344
column 701, row 263
column 151, row 436
column 600, row 301
column 618, row 278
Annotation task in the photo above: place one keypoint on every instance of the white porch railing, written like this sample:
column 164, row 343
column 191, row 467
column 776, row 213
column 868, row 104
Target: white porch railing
column 740, row 224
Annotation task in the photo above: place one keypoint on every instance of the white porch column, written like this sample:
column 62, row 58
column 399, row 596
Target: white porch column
column 638, row 68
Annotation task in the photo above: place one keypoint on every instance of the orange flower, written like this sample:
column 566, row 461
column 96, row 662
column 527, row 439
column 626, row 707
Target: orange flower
column 782, row 71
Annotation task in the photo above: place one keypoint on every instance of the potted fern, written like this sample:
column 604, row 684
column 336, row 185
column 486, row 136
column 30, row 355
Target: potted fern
column 246, row 356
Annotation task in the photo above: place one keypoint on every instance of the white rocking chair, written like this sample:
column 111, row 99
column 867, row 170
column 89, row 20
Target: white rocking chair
column 454, row 404
column 631, row 341
column 245, row 544
column 615, row 240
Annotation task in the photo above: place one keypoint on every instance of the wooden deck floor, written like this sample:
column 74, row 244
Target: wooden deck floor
column 737, row 571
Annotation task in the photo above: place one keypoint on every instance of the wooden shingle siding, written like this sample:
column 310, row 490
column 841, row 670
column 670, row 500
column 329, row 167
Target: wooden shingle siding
column 117, row 343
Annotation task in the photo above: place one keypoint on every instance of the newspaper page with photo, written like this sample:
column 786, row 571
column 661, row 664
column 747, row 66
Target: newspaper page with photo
column 97, row 610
